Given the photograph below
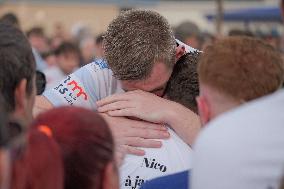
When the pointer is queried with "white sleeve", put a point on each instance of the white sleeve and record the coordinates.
(84, 87)
(187, 47)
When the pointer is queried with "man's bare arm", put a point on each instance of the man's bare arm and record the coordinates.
(149, 107)
(41, 105)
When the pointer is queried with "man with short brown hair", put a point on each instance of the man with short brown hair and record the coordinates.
(241, 146)
(236, 70)
(148, 42)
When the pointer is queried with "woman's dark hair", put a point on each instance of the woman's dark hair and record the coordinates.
(86, 144)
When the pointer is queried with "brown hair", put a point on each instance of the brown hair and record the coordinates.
(135, 40)
(183, 84)
(242, 67)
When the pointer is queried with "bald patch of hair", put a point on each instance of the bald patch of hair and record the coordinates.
(135, 41)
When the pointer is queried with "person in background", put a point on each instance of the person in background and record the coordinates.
(86, 144)
(38, 41)
(59, 35)
(10, 18)
(243, 140)
(49, 58)
(68, 59)
(238, 32)
(99, 49)
(87, 49)
(189, 33)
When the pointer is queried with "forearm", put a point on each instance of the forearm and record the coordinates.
(41, 105)
(185, 122)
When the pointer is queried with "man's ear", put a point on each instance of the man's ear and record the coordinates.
(110, 177)
(180, 50)
(203, 109)
(20, 95)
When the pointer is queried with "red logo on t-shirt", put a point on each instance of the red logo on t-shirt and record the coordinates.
(77, 87)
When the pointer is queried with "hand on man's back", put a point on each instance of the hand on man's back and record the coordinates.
(129, 135)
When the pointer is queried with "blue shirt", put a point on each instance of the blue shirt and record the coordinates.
(174, 181)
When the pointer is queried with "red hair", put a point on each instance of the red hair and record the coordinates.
(38, 165)
(86, 144)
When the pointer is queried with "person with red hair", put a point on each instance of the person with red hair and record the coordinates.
(38, 164)
(86, 144)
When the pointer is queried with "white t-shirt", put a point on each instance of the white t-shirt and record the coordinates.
(84, 87)
(242, 149)
(174, 156)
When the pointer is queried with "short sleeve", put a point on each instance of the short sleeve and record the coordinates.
(84, 87)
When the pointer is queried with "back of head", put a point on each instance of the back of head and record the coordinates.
(66, 48)
(10, 18)
(86, 144)
(186, 29)
(16, 63)
(183, 85)
(242, 68)
(35, 31)
(238, 32)
(38, 164)
(135, 40)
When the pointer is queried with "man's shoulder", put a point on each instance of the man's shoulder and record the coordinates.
(257, 113)
(236, 139)
(242, 126)
(97, 70)
(97, 65)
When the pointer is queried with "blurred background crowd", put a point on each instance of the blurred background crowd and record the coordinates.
(67, 34)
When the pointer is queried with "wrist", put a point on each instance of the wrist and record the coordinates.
(171, 113)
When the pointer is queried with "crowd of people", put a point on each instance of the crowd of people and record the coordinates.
(143, 105)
